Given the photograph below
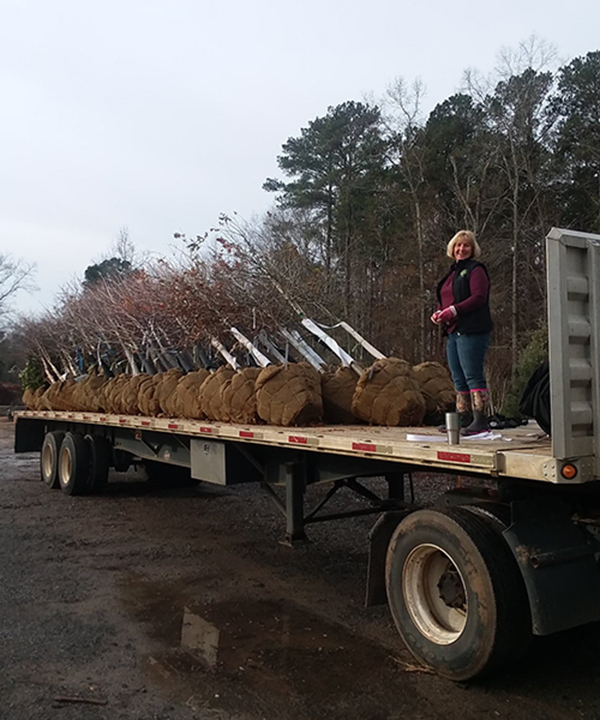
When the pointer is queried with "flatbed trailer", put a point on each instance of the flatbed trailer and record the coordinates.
(468, 581)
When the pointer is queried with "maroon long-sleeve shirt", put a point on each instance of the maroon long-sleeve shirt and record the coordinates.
(479, 286)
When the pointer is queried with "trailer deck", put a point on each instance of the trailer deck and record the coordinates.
(524, 452)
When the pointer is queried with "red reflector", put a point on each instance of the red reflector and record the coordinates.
(146, 423)
(122, 420)
(172, 426)
(246, 434)
(365, 447)
(454, 457)
(298, 439)
(205, 429)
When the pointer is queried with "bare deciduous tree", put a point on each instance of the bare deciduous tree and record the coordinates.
(15, 275)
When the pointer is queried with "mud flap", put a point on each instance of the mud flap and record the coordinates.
(558, 565)
(379, 539)
(29, 435)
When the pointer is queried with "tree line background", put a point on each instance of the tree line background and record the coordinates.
(371, 192)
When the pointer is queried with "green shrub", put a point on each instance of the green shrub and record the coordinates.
(32, 375)
(532, 355)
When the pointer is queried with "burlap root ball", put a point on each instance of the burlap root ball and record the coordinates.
(32, 398)
(289, 395)
(87, 392)
(389, 394)
(59, 396)
(338, 390)
(186, 397)
(103, 393)
(437, 388)
(166, 389)
(211, 394)
(37, 398)
(239, 396)
(128, 399)
(47, 398)
(114, 394)
(28, 398)
(147, 401)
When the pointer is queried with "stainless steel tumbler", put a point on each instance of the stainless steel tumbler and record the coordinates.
(453, 428)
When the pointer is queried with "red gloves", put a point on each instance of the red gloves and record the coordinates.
(444, 316)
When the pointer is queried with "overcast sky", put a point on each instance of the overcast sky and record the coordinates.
(157, 115)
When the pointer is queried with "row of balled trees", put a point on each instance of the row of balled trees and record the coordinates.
(389, 392)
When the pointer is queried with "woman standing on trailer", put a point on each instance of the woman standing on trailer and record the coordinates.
(464, 313)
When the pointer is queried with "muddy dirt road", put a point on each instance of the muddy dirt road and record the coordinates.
(175, 604)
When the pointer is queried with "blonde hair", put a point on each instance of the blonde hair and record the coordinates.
(465, 236)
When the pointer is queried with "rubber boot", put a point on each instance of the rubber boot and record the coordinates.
(463, 408)
(479, 403)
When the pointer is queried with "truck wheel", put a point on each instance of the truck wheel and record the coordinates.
(100, 457)
(49, 458)
(455, 593)
(498, 518)
(74, 464)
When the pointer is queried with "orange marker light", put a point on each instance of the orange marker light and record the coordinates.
(568, 471)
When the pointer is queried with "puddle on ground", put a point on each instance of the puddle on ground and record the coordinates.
(265, 659)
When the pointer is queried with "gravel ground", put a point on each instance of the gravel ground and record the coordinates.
(176, 604)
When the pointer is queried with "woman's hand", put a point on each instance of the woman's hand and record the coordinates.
(435, 318)
(446, 315)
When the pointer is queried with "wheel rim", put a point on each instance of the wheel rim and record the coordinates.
(47, 462)
(435, 594)
(65, 466)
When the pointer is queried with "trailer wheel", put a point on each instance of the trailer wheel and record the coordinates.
(99, 459)
(49, 458)
(74, 464)
(455, 593)
(498, 518)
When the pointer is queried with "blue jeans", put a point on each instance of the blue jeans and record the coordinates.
(466, 354)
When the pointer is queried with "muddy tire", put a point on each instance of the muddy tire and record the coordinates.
(498, 518)
(99, 459)
(74, 464)
(49, 459)
(455, 592)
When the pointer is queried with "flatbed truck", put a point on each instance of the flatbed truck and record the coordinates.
(469, 580)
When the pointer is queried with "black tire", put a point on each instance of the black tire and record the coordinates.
(49, 459)
(498, 518)
(74, 464)
(497, 515)
(100, 457)
(455, 593)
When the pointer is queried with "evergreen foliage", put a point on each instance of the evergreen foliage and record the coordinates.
(530, 358)
(109, 269)
(32, 375)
